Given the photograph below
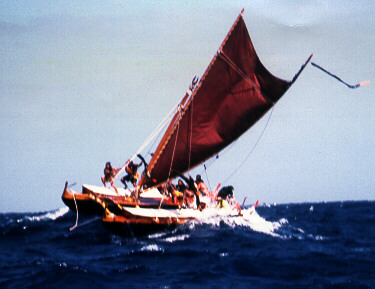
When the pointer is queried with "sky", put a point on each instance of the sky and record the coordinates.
(86, 83)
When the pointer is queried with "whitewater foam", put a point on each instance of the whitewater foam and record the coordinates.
(252, 220)
(152, 248)
(53, 215)
(176, 238)
(249, 218)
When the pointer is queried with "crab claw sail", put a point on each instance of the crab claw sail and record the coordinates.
(235, 91)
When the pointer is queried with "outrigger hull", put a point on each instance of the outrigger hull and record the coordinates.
(144, 221)
(130, 224)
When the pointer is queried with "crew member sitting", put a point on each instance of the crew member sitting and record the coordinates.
(181, 187)
(192, 190)
(187, 196)
(201, 186)
(132, 175)
(177, 195)
(203, 191)
(109, 173)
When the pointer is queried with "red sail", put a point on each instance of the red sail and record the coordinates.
(233, 94)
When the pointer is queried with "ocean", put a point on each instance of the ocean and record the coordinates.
(317, 245)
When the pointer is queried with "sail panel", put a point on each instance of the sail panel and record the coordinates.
(236, 91)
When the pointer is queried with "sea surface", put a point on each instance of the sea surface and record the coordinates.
(317, 245)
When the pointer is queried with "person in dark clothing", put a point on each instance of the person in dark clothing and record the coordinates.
(132, 175)
(191, 188)
(181, 187)
(226, 194)
(109, 173)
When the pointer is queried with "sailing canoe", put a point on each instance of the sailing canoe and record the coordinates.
(235, 91)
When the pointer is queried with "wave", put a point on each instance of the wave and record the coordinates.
(177, 238)
(14, 223)
(252, 220)
(249, 218)
(279, 227)
(152, 248)
(38, 217)
(52, 215)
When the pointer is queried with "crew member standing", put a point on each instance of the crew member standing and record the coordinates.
(109, 173)
(132, 175)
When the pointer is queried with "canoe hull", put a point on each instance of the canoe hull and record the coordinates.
(127, 224)
(92, 202)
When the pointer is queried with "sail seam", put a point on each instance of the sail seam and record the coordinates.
(242, 74)
(237, 69)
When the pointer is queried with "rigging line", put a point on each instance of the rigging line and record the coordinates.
(75, 202)
(171, 128)
(191, 131)
(170, 167)
(244, 76)
(239, 71)
(174, 148)
(156, 131)
(154, 142)
(156, 138)
(253, 148)
(210, 161)
(89, 222)
(205, 170)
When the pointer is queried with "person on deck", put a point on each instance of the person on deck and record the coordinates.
(109, 173)
(181, 187)
(132, 175)
(174, 193)
(190, 191)
(205, 195)
(225, 197)
(201, 186)
(187, 196)
(192, 188)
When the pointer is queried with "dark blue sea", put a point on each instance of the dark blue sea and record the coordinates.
(318, 245)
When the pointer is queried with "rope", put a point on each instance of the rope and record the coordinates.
(154, 134)
(75, 226)
(89, 221)
(191, 131)
(205, 171)
(174, 148)
(170, 168)
(240, 72)
(253, 148)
